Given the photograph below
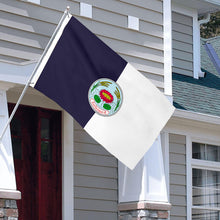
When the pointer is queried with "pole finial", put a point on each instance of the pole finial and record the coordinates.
(68, 10)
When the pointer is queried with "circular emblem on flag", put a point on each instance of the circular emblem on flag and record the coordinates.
(105, 97)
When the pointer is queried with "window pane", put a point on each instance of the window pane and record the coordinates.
(199, 214)
(206, 190)
(199, 185)
(198, 151)
(46, 151)
(17, 149)
(213, 152)
(199, 177)
(206, 152)
(45, 128)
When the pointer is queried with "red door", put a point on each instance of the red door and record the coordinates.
(36, 142)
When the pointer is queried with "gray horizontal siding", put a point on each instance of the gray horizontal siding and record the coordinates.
(27, 28)
(95, 175)
(143, 10)
(85, 214)
(95, 205)
(182, 33)
(177, 157)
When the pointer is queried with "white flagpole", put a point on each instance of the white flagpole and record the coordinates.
(66, 13)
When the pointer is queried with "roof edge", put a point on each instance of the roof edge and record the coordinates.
(216, 2)
(195, 116)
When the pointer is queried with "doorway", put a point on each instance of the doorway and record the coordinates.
(36, 143)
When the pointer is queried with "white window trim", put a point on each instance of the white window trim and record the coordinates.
(194, 163)
(189, 176)
(196, 36)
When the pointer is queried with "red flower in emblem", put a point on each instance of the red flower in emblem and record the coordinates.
(106, 96)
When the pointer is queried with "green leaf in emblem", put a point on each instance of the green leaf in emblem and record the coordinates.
(107, 106)
(96, 85)
(97, 98)
(118, 103)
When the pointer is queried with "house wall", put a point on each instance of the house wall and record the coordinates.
(26, 29)
(177, 155)
(95, 175)
(182, 33)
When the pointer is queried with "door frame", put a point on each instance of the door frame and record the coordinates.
(35, 99)
(67, 166)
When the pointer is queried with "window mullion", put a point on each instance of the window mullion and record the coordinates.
(203, 164)
(206, 208)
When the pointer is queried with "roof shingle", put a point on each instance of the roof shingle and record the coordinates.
(199, 95)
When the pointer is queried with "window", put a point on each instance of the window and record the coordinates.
(205, 181)
(46, 140)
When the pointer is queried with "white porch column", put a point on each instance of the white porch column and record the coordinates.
(8, 189)
(144, 188)
(7, 172)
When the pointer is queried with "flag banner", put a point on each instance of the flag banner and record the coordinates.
(119, 107)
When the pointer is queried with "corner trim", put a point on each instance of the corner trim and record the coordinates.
(167, 25)
(10, 194)
(196, 46)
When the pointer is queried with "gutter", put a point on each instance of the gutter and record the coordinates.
(195, 116)
(215, 2)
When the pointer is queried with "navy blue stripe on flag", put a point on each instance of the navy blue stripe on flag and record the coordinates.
(78, 59)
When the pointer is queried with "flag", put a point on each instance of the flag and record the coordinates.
(119, 107)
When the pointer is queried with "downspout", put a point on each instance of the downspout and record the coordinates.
(205, 20)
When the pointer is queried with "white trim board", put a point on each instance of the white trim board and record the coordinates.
(216, 2)
(16, 73)
(196, 47)
(167, 24)
(67, 167)
(196, 116)
(189, 176)
(165, 148)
